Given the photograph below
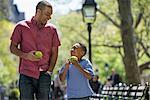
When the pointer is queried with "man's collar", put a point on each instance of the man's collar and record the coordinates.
(36, 23)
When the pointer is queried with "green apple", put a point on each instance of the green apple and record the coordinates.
(73, 58)
(38, 54)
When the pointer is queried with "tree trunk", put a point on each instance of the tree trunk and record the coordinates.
(127, 34)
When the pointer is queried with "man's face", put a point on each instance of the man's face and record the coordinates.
(45, 15)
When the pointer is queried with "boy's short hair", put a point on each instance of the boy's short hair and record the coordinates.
(83, 48)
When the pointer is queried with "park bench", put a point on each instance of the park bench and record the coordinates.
(128, 92)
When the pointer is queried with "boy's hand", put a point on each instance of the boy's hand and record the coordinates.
(67, 63)
(73, 58)
(75, 63)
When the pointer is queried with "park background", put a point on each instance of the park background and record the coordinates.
(128, 54)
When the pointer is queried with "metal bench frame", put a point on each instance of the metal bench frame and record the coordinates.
(129, 92)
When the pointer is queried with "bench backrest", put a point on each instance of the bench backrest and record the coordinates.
(131, 92)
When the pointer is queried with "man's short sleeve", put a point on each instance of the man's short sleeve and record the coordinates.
(16, 35)
(56, 40)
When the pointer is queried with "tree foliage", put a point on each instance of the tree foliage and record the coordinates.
(4, 9)
(7, 65)
(107, 44)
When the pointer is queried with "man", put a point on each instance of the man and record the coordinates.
(115, 77)
(95, 84)
(29, 37)
(78, 73)
(59, 87)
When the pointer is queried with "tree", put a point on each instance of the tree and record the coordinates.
(106, 35)
(134, 40)
(8, 69)
(4, 9)
(127, 34)
(142, 31)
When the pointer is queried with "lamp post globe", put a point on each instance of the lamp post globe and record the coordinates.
(89, 11)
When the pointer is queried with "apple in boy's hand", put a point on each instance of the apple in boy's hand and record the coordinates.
(73, 58)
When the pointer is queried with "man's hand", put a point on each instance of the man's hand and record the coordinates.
(49, 73)
(31, 56)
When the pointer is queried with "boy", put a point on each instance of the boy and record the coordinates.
(78, 73)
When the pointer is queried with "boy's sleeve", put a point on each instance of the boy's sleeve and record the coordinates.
(62, 69)
(89, 68)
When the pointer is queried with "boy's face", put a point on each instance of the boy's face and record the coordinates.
(76, 50)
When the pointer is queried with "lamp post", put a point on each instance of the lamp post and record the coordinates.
(106, 68)
(89, 16)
